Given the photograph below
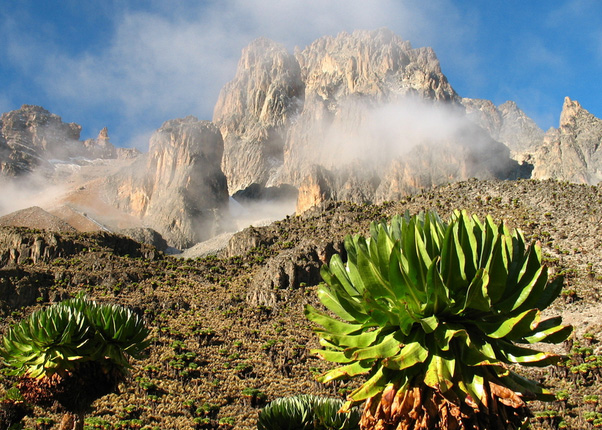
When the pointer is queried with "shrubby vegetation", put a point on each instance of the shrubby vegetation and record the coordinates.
(204, 304)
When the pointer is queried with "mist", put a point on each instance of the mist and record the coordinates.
(378, 133)
(31, 190)
(164, 61)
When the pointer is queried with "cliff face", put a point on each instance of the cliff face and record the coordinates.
(342, 115)
(254, 112)
(347, 78)
(180, 190)
(365, 117)
(282, 113)
(506, 123)
(31, 138)
(572, 151)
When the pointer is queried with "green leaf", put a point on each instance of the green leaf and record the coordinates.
(512, 328)
(526, 356)
(329, 323)
(549, 331)
(388, 347)
(401, 284)
(549, 294)
(337, 270)
(340, 305)
(452, 260)
(476, 295)
(358, 368)
(439, 374)
(497, 264)
(410, 355)
(429, 324)
(359, 340)
(371, 387)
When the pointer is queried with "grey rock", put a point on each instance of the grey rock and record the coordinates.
(254, 112)
(506, 123)
(572, 151)
(290, 269)
(178, 189)
(31, 138)
(145, 235)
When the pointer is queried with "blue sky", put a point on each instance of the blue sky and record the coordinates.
(131, 65)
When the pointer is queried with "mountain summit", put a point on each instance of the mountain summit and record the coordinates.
(361, 117)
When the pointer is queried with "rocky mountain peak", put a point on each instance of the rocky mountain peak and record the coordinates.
(254, 110)
(571, 109)
(30, 136)
(280, 109)
(180, 190)
(571, 152)
(103, 135)
(377, 63)
(101, 147)
(506, 123)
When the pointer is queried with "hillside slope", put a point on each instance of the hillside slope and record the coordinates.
(223, 324)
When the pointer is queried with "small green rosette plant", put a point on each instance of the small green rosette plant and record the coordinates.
(73, 352)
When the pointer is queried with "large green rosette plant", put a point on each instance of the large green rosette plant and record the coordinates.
(436, 315)
(73, 352)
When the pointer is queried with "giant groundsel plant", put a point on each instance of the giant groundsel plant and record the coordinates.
(435, 315)
(73, 352)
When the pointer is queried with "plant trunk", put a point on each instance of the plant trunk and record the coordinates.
(424, 408)
(72, 421)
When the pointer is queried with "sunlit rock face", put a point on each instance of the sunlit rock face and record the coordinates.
(254, 112)
(354, 84)
(351, 108)
(572, 151)
(506, 123)
(181, 191)
(30, 136)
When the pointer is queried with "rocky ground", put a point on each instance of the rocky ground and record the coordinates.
(229, 333)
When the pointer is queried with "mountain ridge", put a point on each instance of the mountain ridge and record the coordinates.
(361, 116)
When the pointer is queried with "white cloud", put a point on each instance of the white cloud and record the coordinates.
(172, 59)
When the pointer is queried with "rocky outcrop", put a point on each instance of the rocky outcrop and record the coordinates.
(254, 112)
(18, 246)
(341, 118)
(31, 138)
(354, 82)
(179, 189)
(506, 123)
(23, 246)
(572, 151)
(26, 246)
(244, 241)
(288, 270)
(145, 235)
(100, 147)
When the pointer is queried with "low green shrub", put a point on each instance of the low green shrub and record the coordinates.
(307, 412)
